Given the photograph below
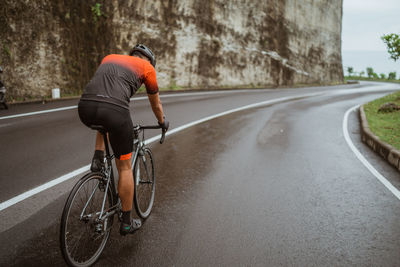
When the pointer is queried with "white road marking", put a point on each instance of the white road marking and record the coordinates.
(379, 176)
(37, 112)
(133, 99)
(36, 190)
(43, 187)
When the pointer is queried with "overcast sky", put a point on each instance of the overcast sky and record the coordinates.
(365, 21)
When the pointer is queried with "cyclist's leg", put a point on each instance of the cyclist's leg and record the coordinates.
(121, 139)
(88, 113)
(98, 157)
(125, 183)
(125, 191)
(99, 142)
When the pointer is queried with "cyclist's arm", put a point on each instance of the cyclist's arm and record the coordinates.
(152, 92)
(156, 106)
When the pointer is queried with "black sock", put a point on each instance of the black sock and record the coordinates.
(126, 217)
(98, 154)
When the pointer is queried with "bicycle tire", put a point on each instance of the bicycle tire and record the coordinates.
(145, 183)
(84, 252)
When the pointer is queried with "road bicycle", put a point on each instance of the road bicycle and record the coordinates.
(89, 211)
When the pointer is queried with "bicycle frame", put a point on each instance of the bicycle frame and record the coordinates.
(138, 144)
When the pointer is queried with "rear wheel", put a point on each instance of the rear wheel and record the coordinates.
(145, 184)
(83, 235)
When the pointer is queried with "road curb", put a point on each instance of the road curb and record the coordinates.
(386, 151)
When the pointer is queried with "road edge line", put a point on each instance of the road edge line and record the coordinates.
(12, 201)
(132, 99)
(363, 160)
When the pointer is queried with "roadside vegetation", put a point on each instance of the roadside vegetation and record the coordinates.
(370, 75)
(383, 117)
(383, 114)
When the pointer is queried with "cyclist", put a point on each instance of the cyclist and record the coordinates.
(105, 102)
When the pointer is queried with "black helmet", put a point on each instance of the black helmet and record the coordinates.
(145, 51)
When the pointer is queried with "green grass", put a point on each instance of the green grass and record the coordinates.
(385, 125)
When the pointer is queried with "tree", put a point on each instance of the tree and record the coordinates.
(392, 75)
(370, 72)
(350, 70)
(382, 76)
(392, 42)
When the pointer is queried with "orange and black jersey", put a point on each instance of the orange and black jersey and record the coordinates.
(118, 78)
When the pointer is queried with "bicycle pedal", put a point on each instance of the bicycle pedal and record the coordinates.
(99, 228)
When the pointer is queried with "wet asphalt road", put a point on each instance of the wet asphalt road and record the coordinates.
(274, 185)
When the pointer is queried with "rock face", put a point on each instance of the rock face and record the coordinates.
(198, 43)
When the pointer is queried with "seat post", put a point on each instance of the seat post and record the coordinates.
(104, 134)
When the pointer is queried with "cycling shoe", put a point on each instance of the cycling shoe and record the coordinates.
(130, 228)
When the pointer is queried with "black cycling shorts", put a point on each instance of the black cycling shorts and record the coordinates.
(117, 122)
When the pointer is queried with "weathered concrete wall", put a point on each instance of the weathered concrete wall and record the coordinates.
(198, 43)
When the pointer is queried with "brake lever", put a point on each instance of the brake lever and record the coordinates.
(162, 136)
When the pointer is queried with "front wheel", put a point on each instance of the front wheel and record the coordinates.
(145, 182)
(83, 235)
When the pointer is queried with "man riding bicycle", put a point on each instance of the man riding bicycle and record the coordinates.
(105, 102)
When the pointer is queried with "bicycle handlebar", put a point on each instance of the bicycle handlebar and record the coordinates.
(163, 131)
